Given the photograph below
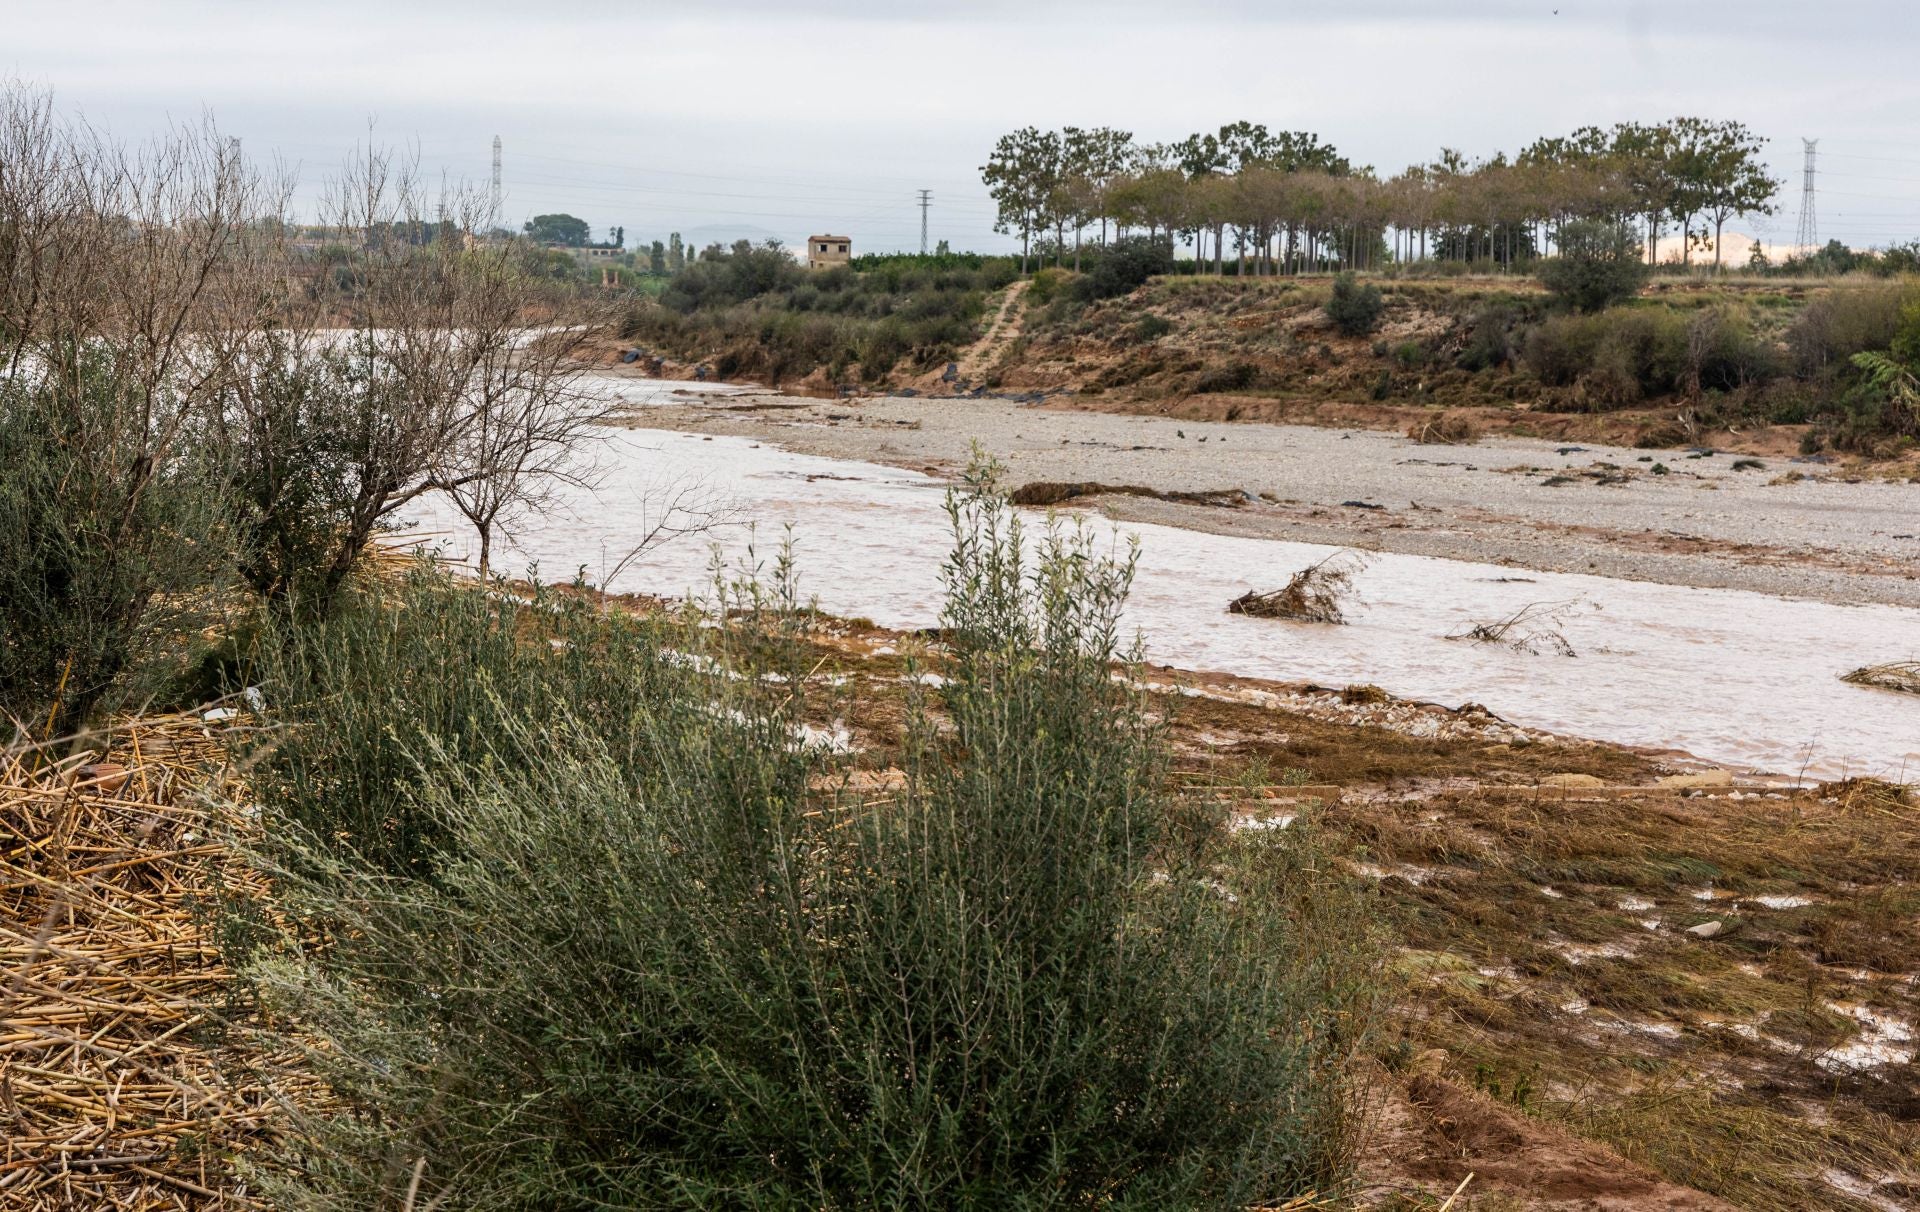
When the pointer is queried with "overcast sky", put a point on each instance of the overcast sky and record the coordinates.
(791, 117)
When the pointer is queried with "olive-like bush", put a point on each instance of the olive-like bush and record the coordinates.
(663, 960)
(1598, 265)
(1354, 308)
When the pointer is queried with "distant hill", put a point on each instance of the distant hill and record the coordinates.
(1736, 248)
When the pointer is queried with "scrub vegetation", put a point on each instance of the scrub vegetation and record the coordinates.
(752, 312)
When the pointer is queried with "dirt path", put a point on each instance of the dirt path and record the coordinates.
(1005, 328)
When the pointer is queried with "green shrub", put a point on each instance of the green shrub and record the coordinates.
(1620, 356)
(1905, 345)
(1598, 264)
(110, 537)
(1489, 342)
(1844, 322)
(1046, 286)
(1123, 267)
(1151, 327)
(419, 668)
(1883, 407)
(667, 965)
(1724, 354)
(1353, 308)
(1234, 376)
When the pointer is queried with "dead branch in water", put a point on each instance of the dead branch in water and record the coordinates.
(1533, 628)
(1903, 676)
(1312, 595)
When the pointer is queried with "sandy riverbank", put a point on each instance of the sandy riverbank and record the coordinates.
(1786, 528)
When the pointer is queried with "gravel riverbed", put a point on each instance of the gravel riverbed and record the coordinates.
(1795, 529)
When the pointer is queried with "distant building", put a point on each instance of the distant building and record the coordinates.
(825, 252)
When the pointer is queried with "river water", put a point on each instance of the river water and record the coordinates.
(1743, 679)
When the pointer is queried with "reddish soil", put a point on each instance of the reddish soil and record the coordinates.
(1429, 1134)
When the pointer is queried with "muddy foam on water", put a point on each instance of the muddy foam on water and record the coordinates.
(1739, 678)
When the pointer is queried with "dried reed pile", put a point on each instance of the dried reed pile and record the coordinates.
(120, 1085)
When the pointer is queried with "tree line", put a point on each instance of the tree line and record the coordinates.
(1289, 202)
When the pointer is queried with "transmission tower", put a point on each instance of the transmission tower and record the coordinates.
(495, 200)
(926, 200)
(1808, 237)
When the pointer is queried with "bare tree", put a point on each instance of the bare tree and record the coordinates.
(521, 441)
(403, 368)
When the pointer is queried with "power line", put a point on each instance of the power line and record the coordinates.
(1808, 237)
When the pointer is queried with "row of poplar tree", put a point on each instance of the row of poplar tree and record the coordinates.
(1284, 202)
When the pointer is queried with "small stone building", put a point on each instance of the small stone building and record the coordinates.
(825, 252)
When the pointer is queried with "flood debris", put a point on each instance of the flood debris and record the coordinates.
(1534, 628)
(1055, 492)
(1903, 676)
(1447, 429)
(1867, 792)
(1313, 595)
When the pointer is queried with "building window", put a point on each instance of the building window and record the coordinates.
(843, 248)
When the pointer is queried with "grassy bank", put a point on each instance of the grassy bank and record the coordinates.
(1688, 361)
(1771, 363)
(1537, 898)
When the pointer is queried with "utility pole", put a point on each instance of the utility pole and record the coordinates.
(926, 200)
(1809, 234)
(495, 200)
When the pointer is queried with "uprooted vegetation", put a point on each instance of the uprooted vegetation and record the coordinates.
(1317, 593)
(1901, 676)
(1041, 493)
(1534, 628)
(1447, 429)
